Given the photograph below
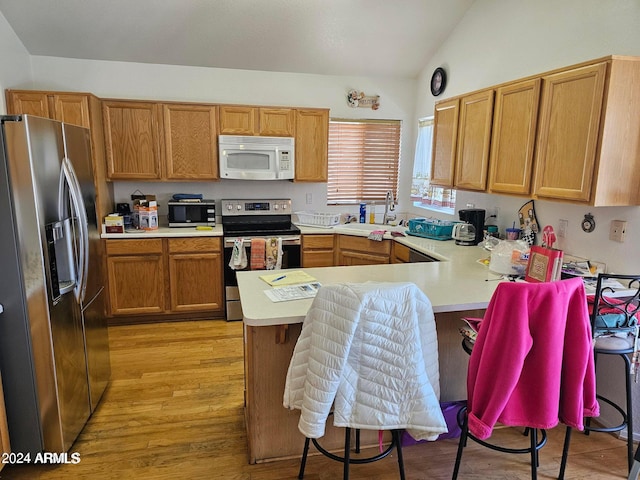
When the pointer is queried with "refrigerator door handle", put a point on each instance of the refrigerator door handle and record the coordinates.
(81, 214)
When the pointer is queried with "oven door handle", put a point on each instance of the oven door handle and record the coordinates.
(246, 242)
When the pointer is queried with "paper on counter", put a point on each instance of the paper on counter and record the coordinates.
(297, 292)
(287, 277)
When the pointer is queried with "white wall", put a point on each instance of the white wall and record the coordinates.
(162, 82)
(16, 63)
(502, 40)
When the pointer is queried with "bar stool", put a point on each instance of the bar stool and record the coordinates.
(523, 341)
(614, 326)
(367, 355)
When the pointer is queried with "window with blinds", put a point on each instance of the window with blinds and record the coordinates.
(364, 159)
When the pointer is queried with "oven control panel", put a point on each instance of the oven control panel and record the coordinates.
(256, 207)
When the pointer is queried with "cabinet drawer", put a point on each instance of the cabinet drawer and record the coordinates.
(194, 244)
(364, 244)
(310, 242)
(132, 247)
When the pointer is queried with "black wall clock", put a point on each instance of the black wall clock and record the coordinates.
(438, 81)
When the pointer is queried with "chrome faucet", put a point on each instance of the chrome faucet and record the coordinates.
(389, 209)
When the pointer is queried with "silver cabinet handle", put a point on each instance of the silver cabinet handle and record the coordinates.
(1, 308)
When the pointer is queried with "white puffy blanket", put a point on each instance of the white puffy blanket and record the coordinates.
(371, 350)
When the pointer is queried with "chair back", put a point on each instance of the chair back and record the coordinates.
(611, 312)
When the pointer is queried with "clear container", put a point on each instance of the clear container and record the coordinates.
(372, 213)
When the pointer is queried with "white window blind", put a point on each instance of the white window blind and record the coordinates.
(364, 159)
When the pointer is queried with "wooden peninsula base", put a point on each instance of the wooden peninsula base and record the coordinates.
(272, 430)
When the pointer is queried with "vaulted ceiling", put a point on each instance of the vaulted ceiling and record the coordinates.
(333, 37)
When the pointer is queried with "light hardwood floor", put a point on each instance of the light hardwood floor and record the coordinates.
(174, 410)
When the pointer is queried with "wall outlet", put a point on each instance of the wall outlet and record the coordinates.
(309, 199)
(562, 228)
(618, 230)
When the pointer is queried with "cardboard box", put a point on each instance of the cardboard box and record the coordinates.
(145, 213)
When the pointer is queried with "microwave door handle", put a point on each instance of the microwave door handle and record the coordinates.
(81, 216)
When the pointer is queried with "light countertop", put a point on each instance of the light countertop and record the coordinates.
(166, 232)
(457, 283)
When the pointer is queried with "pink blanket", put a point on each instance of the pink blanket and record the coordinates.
(532, 363)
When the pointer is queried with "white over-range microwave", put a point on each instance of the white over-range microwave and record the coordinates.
(256, 158)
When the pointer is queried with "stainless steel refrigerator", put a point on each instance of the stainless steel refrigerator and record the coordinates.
(54, 349)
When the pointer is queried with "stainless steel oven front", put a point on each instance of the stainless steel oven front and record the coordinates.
(290, 259)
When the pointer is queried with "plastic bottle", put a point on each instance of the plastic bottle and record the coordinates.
(363, 212)
(372, 213)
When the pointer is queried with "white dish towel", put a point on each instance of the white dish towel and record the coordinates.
(239, 255)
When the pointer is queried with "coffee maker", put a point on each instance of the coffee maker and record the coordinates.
(474, 216)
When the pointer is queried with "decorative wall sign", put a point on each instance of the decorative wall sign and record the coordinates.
(359, 99)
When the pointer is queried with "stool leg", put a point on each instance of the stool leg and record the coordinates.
(347, 452)
(630, 451)
(461, 444)
(303, 463)
(357, 440)
(534, 453)
(565, 453)
(397, 438)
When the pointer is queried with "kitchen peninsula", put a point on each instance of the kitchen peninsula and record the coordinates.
(458, 285)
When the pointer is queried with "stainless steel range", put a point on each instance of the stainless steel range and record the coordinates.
(255, 218)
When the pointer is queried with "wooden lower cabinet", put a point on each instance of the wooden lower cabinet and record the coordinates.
(352, 250)
(195, 274)
(135, 271)
(165, 276)
(399, 253)
(317, 250)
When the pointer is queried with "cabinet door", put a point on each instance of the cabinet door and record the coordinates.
(195, 274)
(190, 142)
(236, 120)
(28, 103)
(568, 132)
(312, 145)
(474, 137)
(72, 108)
(132, 140)
(399, 253)
(277, 122)
(445, 136)
(513, 137)
(136, 284)
(350, 257)
(195, 281)
(353, 250)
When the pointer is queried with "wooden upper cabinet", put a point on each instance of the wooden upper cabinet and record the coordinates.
(312, 145)
(70, 108)
(474, 140)
(445, 136)
(190, 142)
(276, 122)
(515, 118)
(237, 120)
(28, 103)
(132, 139)
(588, 148)
(568, 136)
(265, 121)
